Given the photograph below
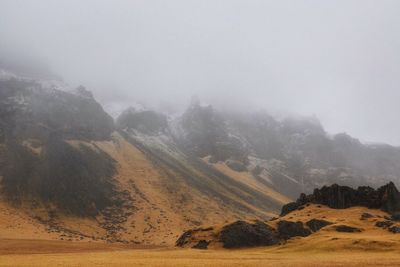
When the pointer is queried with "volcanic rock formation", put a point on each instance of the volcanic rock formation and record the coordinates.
(386, 198)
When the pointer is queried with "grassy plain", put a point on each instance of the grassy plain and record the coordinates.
(64, 254)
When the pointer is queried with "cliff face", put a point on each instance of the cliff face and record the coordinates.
(38, 164)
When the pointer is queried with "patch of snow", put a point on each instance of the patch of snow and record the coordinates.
(161, 142)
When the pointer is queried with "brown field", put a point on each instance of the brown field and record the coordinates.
(59, 253)
(372, 247)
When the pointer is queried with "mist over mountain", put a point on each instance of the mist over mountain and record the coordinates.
(139, 132)
(290, 148)
(338, 61)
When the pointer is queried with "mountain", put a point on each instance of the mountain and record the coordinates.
(69, 171)
(291, 155)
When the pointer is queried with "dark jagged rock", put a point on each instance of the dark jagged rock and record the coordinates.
(76, 180)
(389, 199)
(148, 122)
(184, 239)
(37, 161)
(395, 216)
(386, 198)
(347, 229)
(288, 208)
(366, 216)
(202, 244)
(242, 234)
(292, 206)
(38, 113)
(384, 224)
(289, 229)
(394, 229)
(335, 196)
(316, 225)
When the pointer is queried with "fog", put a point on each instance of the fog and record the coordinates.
(337, 60)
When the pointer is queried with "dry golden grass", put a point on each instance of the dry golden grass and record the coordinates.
(165, 208)
(248, 179)
(15, 223)
(372, 247)
(164, 205)
(327, 239)
(187, 257)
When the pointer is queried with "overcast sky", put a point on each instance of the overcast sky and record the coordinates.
(339, 60)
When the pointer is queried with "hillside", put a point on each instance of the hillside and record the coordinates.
(355, 236)
(312, 226)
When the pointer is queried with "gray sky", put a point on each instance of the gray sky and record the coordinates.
(339, 60)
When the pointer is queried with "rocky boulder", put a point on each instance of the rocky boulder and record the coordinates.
(184, 239)
(366, 216)
(316, 225)
(289, 229)
(388, 199)
(384, 224)
(202, 244)
(243, 234)
(394, 229)
(347, 229)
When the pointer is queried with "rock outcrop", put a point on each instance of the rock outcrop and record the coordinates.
(289, 229)
(38, 160)
(309, 216)
(385, 198)
(384, 224)
(394, 229)
(316, 225)
(184, 238)
(242, 234)
(202, 244)
(239, 234)
(366, 216)
(347, 229)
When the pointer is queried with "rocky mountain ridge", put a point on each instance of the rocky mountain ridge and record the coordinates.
(291, 155)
